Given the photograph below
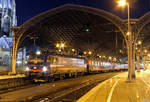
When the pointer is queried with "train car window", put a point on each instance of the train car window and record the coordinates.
(54, 60)
(31, 57)
(49, 59)
(40, 56)
(34, 56)
(29, 62)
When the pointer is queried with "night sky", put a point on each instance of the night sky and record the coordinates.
(29, 8)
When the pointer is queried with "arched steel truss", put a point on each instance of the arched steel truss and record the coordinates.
(118, 22)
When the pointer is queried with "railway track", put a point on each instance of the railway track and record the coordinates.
(58, 91)
(71, 94)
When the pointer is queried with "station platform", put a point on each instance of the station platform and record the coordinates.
(11, 76)
(119, 89)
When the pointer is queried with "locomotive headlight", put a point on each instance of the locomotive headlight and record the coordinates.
(27, 68)
(44, 69)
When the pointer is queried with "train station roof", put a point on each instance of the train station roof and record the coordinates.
(79, 27)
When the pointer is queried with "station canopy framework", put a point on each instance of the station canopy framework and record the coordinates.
(144, 37)
(79, 27)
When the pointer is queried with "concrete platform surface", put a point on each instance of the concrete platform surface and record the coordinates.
(11, 76)
(119, 89)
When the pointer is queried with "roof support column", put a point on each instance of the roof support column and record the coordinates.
(131, 51)
(138, 63)
(144, 62)
(131, 60)
(14, 50)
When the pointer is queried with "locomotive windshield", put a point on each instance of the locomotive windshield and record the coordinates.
(34, 56)
(36, 59)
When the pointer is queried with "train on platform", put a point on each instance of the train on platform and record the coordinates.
(50, 66)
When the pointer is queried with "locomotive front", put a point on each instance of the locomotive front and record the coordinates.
(36, 68)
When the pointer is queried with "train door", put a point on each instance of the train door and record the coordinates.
(88, 66)
(49, 63)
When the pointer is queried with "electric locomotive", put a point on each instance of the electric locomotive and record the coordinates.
(48, 66)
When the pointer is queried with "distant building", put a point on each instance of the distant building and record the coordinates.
(8, 17)
(5, 42)
(5, 50)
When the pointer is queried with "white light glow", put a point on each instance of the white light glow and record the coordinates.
(18, 62)
(90, 52)
(57, 45)
(139, 42)
(73, 50)
(27, 68)
(44, 69)
(122, 3)
(128, 33)
(38, 52)
(62, 45)
(147, 70)
(85, 53)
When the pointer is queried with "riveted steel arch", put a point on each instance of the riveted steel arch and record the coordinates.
(143, 21)
(115, 20)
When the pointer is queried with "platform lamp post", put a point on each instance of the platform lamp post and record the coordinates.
(60, 46)
(138, 54)
(131, 70)
(34, 39)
